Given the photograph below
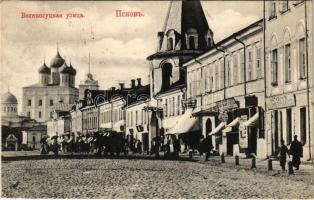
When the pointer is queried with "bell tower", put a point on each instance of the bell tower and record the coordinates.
(185, 35)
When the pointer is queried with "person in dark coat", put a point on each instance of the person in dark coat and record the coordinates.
(296, 150)
(283, 155)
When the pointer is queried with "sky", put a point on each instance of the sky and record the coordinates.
(118, 45)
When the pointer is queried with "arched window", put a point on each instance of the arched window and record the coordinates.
(192, 38)
(170, 44)
(192, 42)
(166, 75)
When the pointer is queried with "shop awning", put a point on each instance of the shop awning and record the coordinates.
(234, 123)
(252, 121)
(185, 124)
(218, 128)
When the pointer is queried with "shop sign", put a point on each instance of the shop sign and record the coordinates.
(243, 134)
(283, 101)
(227, 104)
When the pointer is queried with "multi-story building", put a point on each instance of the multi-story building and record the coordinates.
(289, 74)
(227, 84)
(137, 120)
(185, 35)
(55, 82)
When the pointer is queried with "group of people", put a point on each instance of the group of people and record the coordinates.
(296, 151)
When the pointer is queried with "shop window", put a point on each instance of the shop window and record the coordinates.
(302, 64)
(303, 125)
(274, 68)
(289, 126)
(288, 63)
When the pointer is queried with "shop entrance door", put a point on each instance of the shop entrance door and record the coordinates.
(232, 138)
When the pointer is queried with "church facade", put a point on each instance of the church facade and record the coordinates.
(56, 82)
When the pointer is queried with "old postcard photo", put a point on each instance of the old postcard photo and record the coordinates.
(173, 99)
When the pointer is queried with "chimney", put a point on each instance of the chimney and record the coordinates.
(160, 36)
(133, 83)
(113, 88)
(139, 82)
(121, 86)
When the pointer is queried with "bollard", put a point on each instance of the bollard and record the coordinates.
(190, 155)
(270, 164)
(206, 156)
(253, 163)
(290, 168)
(223, 158)
(237, 160)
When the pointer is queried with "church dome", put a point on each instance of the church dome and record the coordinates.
(57, 61)
(44, 69)
(8, 97)
(72, 70)
(65, 69)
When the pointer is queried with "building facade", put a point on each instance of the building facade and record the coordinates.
(289, 74)
(227, 85)
(55, 82)
(185, 35)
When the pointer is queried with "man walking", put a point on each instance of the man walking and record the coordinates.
(296, 150)
(283, 155)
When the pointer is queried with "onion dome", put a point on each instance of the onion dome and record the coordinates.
(73, 71)
(57, 61)
(44, 69)
(65, 69)
(8, 97)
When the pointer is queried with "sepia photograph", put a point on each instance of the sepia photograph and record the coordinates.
(168, 99)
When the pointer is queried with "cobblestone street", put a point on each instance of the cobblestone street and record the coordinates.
(144, 178)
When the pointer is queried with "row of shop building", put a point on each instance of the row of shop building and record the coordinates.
(246, 92)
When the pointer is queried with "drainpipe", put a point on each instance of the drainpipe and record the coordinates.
(265, 77)
(244, 53)
(307, 80)
(224, 74)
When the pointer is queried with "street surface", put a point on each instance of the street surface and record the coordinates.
(147, 178)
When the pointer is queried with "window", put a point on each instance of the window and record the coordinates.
(192, 42)
(166, 108)
(179, 103)
(136, 118)
(34, 138)
(303, 125)
(29, 102)
(235, 69)
(170, 44)
(250, 67)
(216, 76)
(302, 64)
(272, 10)
(131, 118)
(284, 6)
(173, 106)
(274, 68)
(51, 102)
(40, 102)
(166, 76)
(289, 126)
(28, 114)
(228, 73)
(39, 114)
(222, 79)
(288, 62)
(259, 73)
(242, 66)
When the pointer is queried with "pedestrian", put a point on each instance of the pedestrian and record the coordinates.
(283, 152)
(296, 150)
